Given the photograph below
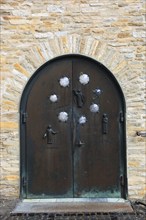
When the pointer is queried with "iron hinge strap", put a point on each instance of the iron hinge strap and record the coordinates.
(121, 117)
(122, 180)
(24, 117)
(24, 182)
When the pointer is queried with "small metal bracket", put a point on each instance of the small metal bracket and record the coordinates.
(141, 133)
(24, 117)
(24, 182)
(122, 180)
(121, 117)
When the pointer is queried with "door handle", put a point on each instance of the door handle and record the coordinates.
(104, 124)
(80, 143)
(79, 98)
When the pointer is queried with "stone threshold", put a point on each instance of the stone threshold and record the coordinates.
(72, 206)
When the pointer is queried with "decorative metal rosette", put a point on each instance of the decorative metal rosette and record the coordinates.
(94, 108)
(82, 120)
(64, 81)
(84, 79)
(63, 116)
(53, 98)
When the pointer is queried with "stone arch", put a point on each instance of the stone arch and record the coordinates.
(41, 52)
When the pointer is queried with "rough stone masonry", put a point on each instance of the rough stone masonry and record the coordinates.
(113, 32)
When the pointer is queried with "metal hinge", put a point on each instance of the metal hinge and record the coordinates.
(24, 117)
(122, 180)
(121, 117)
(24, 182)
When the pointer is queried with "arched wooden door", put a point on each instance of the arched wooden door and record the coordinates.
(73, 132)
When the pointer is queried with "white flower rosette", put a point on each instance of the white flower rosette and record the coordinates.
(53, 98)
(63, 116)
(64, 81)
(82, 120)
(84, 79)
(94, 108)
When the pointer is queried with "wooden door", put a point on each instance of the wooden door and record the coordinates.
(74, 132)
(98, 143)
(49, 141)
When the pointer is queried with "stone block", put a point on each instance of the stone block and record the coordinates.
(9, 125)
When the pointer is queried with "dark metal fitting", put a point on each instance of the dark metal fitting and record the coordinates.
(141, 133)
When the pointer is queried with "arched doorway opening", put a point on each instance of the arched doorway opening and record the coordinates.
(72, 132)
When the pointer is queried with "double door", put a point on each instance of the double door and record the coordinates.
(73, 132)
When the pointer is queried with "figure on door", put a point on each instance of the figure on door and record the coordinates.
(80, 99)
(48, 134)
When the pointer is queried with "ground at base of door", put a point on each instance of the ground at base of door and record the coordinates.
(7, 207)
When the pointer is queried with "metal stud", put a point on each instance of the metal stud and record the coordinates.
(94, 108)
(97, 91)
(53, 98)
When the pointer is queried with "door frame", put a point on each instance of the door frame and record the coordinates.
(23, 119)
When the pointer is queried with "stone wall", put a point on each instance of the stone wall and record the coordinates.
(111, 32)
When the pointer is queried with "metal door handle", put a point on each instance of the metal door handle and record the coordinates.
(80, 143)
(79, 98)
(104, 124)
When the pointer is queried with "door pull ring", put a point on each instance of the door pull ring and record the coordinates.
(48, 134)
